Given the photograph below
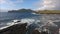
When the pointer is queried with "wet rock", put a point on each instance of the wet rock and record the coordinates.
(35, 32)
(31, 27)
(15, 29)
(43, 32)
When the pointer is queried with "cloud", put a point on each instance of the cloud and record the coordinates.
(2, 1)
(10, 3)
(49, 4)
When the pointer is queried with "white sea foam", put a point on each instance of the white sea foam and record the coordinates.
(30, 21)
(42, 22)
(35, 14)
(3, 27)
(26, 20)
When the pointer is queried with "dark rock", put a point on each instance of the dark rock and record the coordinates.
(15, 29)
(31, 27)
(35, 32)
(43, 32)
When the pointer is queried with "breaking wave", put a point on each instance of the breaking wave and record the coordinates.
(36, 22)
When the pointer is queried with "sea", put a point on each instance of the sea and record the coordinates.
(6, 17)
(30, 17)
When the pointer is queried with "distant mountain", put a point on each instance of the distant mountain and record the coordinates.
(20, 11)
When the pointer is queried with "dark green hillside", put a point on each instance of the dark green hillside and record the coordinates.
(21, 10)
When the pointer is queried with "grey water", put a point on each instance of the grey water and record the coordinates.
(6, 17)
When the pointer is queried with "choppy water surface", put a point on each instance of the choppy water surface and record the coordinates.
(37, 19)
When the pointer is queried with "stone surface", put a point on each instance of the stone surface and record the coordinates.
(15, 29)
(35, 32)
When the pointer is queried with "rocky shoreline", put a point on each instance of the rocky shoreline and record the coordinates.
(19, 29)
(22, 29)
(15, 29)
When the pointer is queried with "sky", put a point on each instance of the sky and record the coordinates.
(30, 4)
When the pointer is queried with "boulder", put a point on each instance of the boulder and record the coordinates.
(35, 32)
(15, 29)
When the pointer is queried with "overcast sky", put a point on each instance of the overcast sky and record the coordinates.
(30, 4)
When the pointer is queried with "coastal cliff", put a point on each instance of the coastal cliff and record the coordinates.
(48, 12)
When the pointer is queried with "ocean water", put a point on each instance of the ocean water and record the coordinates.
(6, 17)
(34, 20)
